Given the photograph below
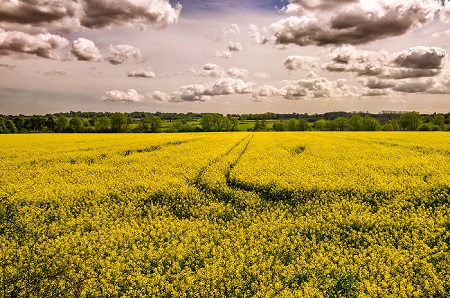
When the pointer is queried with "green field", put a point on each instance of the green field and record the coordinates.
(295, 214)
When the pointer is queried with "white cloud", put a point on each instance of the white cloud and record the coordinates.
(265, 91)
(256, 35)
(350, 59)
(301, 62)
(42, 45)
(215, 71)
(204, 92)
(123, 53)
(317, 88)
(209, 70)
(85, 50)
(142, 73)
(376, 92)
(130, 95)
(235, 46)
(236, 72)
(224, 54)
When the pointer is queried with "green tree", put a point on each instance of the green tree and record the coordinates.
(76, 124)
(3, 128)
(207, 122)
(103, 124)
(320, 124)
(439, 120)
(234, 123)
(391, 125)
(217, 122)
(370, 124)
(257, 126)
(155, 124)
(10, 126)
(118, 122)
(341, 123)
(50, 123)
(279, 126)
(226, 123)
(292, 124)
(410, 121)
(356, 122)
(302, 125)
(61, 123)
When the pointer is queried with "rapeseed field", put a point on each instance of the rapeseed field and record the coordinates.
(298, 214)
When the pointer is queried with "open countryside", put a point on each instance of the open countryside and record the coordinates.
(243, 214)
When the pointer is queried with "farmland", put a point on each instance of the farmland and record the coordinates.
(294, 214)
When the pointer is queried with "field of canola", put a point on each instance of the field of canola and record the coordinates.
(305, 214)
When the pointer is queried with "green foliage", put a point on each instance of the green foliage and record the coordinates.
(410, 121)
(118, 122)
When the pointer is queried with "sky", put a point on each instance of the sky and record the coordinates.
(230, 56)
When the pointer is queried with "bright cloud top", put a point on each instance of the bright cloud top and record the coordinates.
(204, 92)
(85, 50)
(130, 95)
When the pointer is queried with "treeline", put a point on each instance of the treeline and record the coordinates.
(411, 121)
(142, 122)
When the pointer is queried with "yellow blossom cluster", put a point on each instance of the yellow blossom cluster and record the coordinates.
(298, 214)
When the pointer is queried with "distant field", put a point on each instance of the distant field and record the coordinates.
(307, 214)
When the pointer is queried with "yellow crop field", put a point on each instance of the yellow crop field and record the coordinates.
(298, 214)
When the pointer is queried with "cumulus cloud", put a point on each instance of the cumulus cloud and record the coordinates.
(413, 63)
(317, 88)
(375, 83)
(367, 92)
(85, 50)
(40, 15)
(325, 22)
(229, 32)
(414, 86)
(445, 13)
(209, 70)
(204, 92)
(235, 46)
(350, 59)
(130, 95)
(256, 35)
(123, 53)
(236, 72)
(68, 16)
(105, 13)
(422, 58)
(142, 73)
(215, 71)
(224, 54)
(301, 62)
(265, 91)
(43, 45)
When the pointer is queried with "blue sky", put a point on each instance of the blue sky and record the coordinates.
(224, 56)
